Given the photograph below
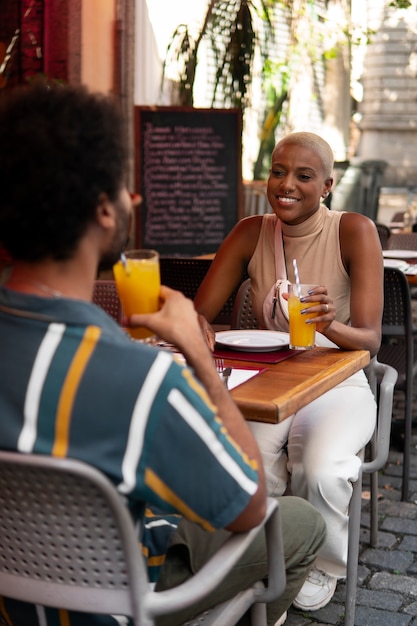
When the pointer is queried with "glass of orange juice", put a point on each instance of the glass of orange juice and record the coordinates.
(302, 335)
(138, 283)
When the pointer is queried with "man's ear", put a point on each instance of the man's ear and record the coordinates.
(105, 212)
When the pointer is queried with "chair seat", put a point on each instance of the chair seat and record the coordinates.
(186, 274)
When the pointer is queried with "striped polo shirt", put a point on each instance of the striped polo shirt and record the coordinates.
(73, 384)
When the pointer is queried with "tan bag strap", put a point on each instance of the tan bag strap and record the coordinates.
(280, 267)
(275, 308)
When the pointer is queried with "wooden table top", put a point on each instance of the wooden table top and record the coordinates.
(412, 279)
(284, 387)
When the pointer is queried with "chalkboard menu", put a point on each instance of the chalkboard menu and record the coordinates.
(188, 172)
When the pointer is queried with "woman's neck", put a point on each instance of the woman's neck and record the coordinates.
(311, 225)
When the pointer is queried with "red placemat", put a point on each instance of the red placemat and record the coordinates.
(257, 357)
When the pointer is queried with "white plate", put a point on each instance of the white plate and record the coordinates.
(397, 263)
(252, 340)
(399, 254)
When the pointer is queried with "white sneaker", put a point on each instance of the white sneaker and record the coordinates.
(317, 591)
(281, 620)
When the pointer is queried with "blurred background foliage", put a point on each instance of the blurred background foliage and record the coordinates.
(238, 36)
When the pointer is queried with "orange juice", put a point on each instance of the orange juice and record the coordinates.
(302, 335)
(138, 285)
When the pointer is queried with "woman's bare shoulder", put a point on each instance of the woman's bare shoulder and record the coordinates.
(240, 243)
(357, 223)
(246, 232)
(359, 237)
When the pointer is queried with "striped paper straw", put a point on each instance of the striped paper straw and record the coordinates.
(124, 263)
(297, 277)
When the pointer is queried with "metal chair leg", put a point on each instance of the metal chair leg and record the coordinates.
(374, 510)
(353, 552)
(408, 418)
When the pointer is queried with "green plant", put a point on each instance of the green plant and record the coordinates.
(276, 80)
(235, 33)
(400, 4)
(230, 31)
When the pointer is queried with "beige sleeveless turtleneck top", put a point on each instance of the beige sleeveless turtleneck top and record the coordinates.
(315, 245)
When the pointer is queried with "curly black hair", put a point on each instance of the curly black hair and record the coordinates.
(60, 148)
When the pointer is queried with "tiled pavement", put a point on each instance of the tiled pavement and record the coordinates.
(387, 581)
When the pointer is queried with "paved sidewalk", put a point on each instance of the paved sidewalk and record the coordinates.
(387, 580)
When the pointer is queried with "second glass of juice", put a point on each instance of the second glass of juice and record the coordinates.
(138, 284)
(302, 335)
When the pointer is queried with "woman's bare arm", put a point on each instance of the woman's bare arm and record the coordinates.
(362, 257)
(228, 267)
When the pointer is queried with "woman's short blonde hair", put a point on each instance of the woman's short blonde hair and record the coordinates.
(314, 143)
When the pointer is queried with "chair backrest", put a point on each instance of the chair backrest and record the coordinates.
(382, 378)
(398, 217)
(186, 274)
(78, 541)
(403, 241)
(183, 273)
(397, 349)
(242, 314)
(105, 296)
(68, 541)
(384, 233)
(397, 314)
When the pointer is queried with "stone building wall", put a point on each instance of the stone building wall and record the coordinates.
(389, 108)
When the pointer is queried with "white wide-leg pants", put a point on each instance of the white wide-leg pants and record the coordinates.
(323, 440)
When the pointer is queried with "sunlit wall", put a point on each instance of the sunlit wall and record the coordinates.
(156, 21)
(97, 44)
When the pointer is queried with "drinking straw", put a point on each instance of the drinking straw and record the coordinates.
(297, 277)
(124, 263)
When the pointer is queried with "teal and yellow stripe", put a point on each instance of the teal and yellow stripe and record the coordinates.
(164, 492)
(52, 388)
(70, 388)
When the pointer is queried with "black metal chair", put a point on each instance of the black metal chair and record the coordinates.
(105, 295)
(398, 217)
(403, 241)
(185, 274)
(384, 233)
(243, 315)
(397, 349)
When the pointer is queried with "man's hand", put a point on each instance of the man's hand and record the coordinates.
(176, 321)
